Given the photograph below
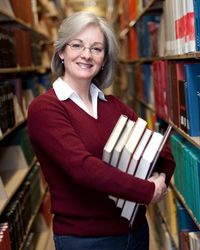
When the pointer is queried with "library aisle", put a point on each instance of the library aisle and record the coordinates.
(157, 75)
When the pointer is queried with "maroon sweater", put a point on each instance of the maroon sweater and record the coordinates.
(69, 145)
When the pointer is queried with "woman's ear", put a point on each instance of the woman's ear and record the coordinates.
(61, 55)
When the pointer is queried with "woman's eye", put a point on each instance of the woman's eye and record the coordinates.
(76, 46)
(96, 49)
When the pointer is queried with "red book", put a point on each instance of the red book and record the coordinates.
(133, 49)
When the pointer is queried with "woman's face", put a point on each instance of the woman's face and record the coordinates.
(84, 55)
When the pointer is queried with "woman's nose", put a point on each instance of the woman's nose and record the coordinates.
(86, 53)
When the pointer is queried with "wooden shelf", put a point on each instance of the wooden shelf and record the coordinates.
(194, 140)
(12, 175)
(33, 217)
(175, 242)
(10, 130)
(20, 69)
(152, 5)
(192, 55)
(150, 107)
(8, 20)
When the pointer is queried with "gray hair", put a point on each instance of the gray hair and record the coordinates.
(72, 26)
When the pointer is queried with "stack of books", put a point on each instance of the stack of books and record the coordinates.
(134, 149)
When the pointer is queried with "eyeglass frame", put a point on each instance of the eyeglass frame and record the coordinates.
(84, 47)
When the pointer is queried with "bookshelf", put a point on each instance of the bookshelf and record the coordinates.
(159, 23)
(27, 34)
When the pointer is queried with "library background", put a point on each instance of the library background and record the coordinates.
(158, 75)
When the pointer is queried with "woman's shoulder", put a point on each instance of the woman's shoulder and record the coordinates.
(44, 98)
(43, 102)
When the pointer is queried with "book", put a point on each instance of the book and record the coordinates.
(147, 162)
(197, 23)
(117, 151)
(192, 93)
(130, 147)
(194, 240)
(113, 138)
(127, 206)
(121, 143)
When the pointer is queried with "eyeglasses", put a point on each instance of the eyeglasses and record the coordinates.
(79, 47)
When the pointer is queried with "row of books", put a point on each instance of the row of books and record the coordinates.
(35, 14)
(7, 118)
(130, 10)
(188, 231)
(15, 96)
(172, 89)
(4, 236)
(22, 207)
(11, 42)
(172, 31)
(174, 225)
(187, 172)
(182, 20)
(134, 149)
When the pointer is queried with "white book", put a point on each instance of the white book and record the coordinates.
(138, 152)
(114, 137)
(190, 30)
(130, 147)
(148, 161)
(142, 169)
(121, 143)
(194, 240)
(119, 147)
(127, 208)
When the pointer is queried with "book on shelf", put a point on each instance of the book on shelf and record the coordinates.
(21, 208)
(7, 48)
(192, 93)
(4, 236)
(194, 240)
(187, 158)
(197, 23)
(185, 225)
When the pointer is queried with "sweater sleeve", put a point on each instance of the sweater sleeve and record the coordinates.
(166, 163)
(56, 143)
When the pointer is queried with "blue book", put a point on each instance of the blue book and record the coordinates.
(185, 222)
(146, 70)
(197, 23)
(192, 93)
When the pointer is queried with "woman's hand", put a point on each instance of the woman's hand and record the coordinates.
(160, 186)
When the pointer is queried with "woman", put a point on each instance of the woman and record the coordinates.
(69, 126)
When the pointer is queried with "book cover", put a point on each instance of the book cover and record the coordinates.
(148, 160)
(192, 92)
(197, 23)
(114, 137)
(121, 143)
(130, 147)
(127, 206)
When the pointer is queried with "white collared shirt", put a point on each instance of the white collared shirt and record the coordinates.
(64, 91)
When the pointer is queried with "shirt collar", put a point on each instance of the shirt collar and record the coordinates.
(64, 91)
